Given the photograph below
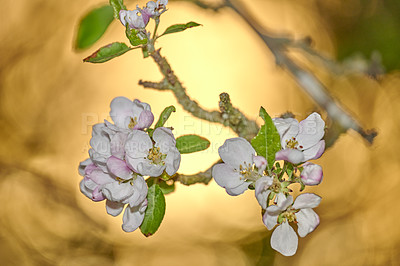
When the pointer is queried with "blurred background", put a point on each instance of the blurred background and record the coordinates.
(50, 99)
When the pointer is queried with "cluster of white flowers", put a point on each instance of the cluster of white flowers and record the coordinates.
(242, 169)
(121, 155)
(139, 17)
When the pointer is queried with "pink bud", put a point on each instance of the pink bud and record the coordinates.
(311, 174)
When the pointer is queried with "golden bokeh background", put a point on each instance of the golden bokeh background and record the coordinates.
(50, 99)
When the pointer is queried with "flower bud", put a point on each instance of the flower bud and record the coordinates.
(311, 174)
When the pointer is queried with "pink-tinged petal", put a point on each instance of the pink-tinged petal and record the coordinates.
(312, 129)
(238, 190)
(97, 195)
(119, 168)
(146, 118)
(172, 161)
(306, 200)
(261, 190)
(83, 165)
(117, 144)
(260, 162)
(164, 139)
(307, 221)
(133, 217)
(117, 191)
(311, 174)
(90, 185)
(236, 152)
(99, 177)
(141, 105)
(225, 176)
(320, 151)
(138, 144)
(290, 155)
(114, 208)
(284, 240)
(270, 220)
(85, 191)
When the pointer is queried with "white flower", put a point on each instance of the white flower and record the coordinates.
(238, 171)
(151, 160)
(128, 115)
(100, 145)
(311, 174)
(300, 141)
(134, 18)
(284, 239)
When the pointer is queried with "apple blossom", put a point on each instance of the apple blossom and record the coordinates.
(240, 168)
(128, 115)
(284, 239)
(151, 160)
(300, 141)
(134, 18)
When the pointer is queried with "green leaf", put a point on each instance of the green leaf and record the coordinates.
(133, 36)
(155, 211)
(267, 142)
(108, 52)
(191, 143)
(164, 116)
(165, 188)
(117, 5)
(93, 26)
(179, 27)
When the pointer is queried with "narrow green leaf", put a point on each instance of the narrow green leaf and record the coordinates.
(179, 27)
(93, 26)
(155, 211)
(108, 52)
(191, 143)
(164, 116)
(267, 142)
(117, 5)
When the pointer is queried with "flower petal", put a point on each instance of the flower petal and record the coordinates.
(261, 190)
(260, 162)
(284, 240)
(117, 145)
(85, 191)
(99, 177)
(114, 208)
(122, 109)
(315, 151)
(306, 200)
(82, 166)
(312, 129)
(140, 192)
(138, 144)
(133, 217)
(236, 152)
(172, 161)
(290, 133)
(290, 155)
(270, 220)
(307, 221)
(117, 191)
(311, 174)
(283, 125)
(164, 139)
(146, 118)
(238, 190)
(226, 176)
(119, 168)
(97, 195)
